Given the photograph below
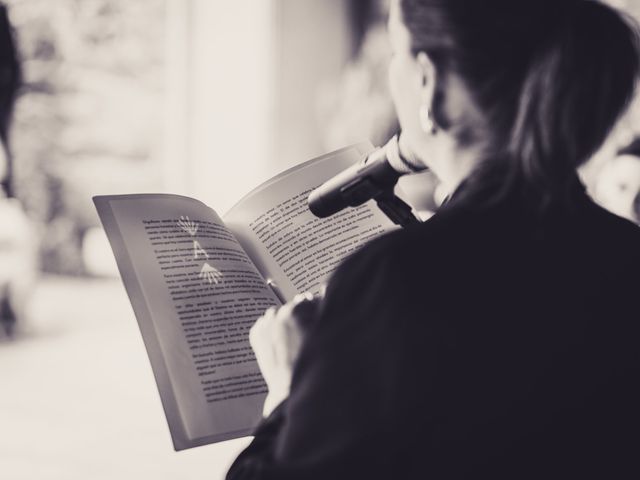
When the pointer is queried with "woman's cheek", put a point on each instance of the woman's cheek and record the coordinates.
(399, 92)
(405, 99)
(393, 81)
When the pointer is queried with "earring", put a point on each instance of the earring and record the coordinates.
(426, 120)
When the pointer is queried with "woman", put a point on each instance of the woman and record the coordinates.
(498, 339)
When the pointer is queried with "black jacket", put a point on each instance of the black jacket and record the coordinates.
(489, 343)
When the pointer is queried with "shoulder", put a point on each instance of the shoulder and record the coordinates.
(610, 242)
(406, 246)
(458, 244)
(400, 261)
(610, 228)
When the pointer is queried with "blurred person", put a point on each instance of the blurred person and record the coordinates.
(617, 185)
(499, 338)
(17, 241)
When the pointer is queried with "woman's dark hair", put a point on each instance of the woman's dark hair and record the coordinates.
(550, 77)
(10, 79)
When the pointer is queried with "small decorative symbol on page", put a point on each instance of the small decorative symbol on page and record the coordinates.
(198, 250)
(210, 274)
(187, 225)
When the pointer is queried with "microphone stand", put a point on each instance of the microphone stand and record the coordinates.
(398, 211)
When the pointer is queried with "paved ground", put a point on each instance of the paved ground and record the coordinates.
(78, 400)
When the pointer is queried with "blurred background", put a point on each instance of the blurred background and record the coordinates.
(199, 97)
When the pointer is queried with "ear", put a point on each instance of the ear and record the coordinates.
(427, 72)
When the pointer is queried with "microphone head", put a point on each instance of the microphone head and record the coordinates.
(354, 186)
(322, 208)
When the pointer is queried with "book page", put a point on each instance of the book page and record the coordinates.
(291, 246)
(196, 295)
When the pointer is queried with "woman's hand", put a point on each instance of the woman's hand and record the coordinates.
(276, 338)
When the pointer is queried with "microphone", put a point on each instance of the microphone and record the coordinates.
(374, 176)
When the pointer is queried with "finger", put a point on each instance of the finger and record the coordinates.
(304, 301)
(284, 331)
(262, 343)
(256, 333)
(294, 320)
(283, 314)
(299, 314)
(299, 305)
(301, 297)
(304, 313)
(286, 340)
(266, 318)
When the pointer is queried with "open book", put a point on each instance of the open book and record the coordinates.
(198, 282)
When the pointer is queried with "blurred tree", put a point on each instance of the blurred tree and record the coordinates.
(89, 117)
